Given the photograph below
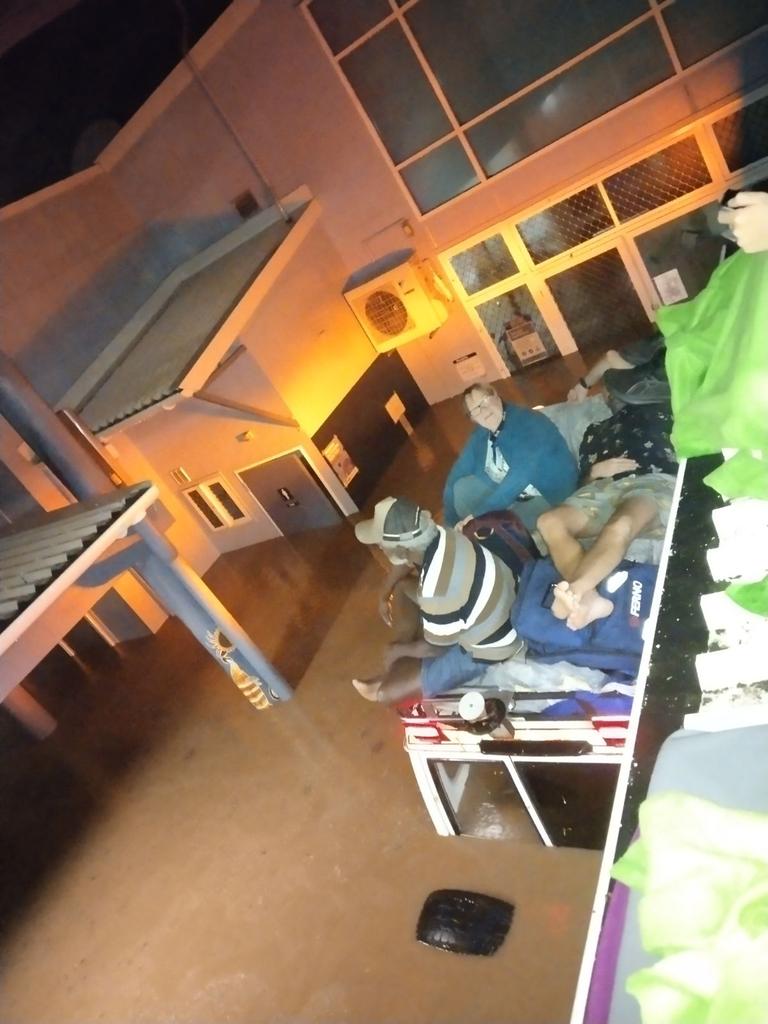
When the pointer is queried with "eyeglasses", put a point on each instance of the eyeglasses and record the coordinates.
(480, 405)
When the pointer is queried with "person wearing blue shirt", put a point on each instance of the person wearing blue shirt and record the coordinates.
(515, 458)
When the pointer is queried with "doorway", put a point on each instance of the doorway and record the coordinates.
(288, 492)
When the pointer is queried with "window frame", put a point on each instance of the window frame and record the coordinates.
(203, 487)
(458, 130)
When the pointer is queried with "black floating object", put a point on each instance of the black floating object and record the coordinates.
(464, 922)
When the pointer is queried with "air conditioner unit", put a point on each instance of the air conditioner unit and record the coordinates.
(398, 304)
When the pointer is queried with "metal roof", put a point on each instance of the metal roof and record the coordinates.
(40, 559)
(160, 346)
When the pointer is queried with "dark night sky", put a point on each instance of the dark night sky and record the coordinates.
(97, 61)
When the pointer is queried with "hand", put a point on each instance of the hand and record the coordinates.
(577, 393)
(385, 608)
(612, 467)
(747, 217)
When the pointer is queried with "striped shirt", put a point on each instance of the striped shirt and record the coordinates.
(466, 596)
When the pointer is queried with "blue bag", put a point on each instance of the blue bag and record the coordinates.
(613, 644)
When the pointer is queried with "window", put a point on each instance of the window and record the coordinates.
(599, 303)
(573, 800)
(566, 224)
(483, 800)
(460, 90)
(626, 67)
(658, 179)
(216, 504)
(700, 27)
(391, 85)
(484, 264)
(443, 173)
(343, 23)
(483, 51)
(743, 135)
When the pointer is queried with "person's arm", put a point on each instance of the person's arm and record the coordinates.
(393, 577)
(612, 360)
(610, 467)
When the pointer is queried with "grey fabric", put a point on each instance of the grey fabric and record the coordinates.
(468, 492)
(730, 768)
(573, 418)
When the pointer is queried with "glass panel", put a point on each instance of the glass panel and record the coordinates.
(657, 180)
(743, 135)
(484, 50)
(226, 500)
(200, 503)
(565, 224)
(395, 93)
(690, 245)
(484, 264)
(699, 27)
(573, 800)
(516, 326)
(483, 800)
(599, 304)
(342, 24)
(440, 175)
(613, 75)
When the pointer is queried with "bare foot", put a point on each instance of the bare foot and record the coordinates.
(588, 607)
(368, 689)
(564, 601)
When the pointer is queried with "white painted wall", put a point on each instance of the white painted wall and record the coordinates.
(60, 248)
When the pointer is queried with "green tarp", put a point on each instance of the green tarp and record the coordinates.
(717, 363)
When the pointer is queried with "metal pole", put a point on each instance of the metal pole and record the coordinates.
(37, 424)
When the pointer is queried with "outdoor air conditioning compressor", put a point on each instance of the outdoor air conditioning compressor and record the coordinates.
(397, 299)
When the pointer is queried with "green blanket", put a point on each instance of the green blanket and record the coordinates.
(717, 360)
(717, 363)
(703, 874)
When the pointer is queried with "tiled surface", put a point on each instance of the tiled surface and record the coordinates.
(175, 856)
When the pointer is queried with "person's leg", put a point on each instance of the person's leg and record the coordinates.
(410, 677)
(469, 492)
(630, 518)
(560, 527)
(576, 599)
(406, 618)
(529, 511)
(400, 682)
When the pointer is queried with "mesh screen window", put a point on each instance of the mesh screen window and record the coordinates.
(565, 225)
(743, 135)
(484, 264)
(658, 179)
